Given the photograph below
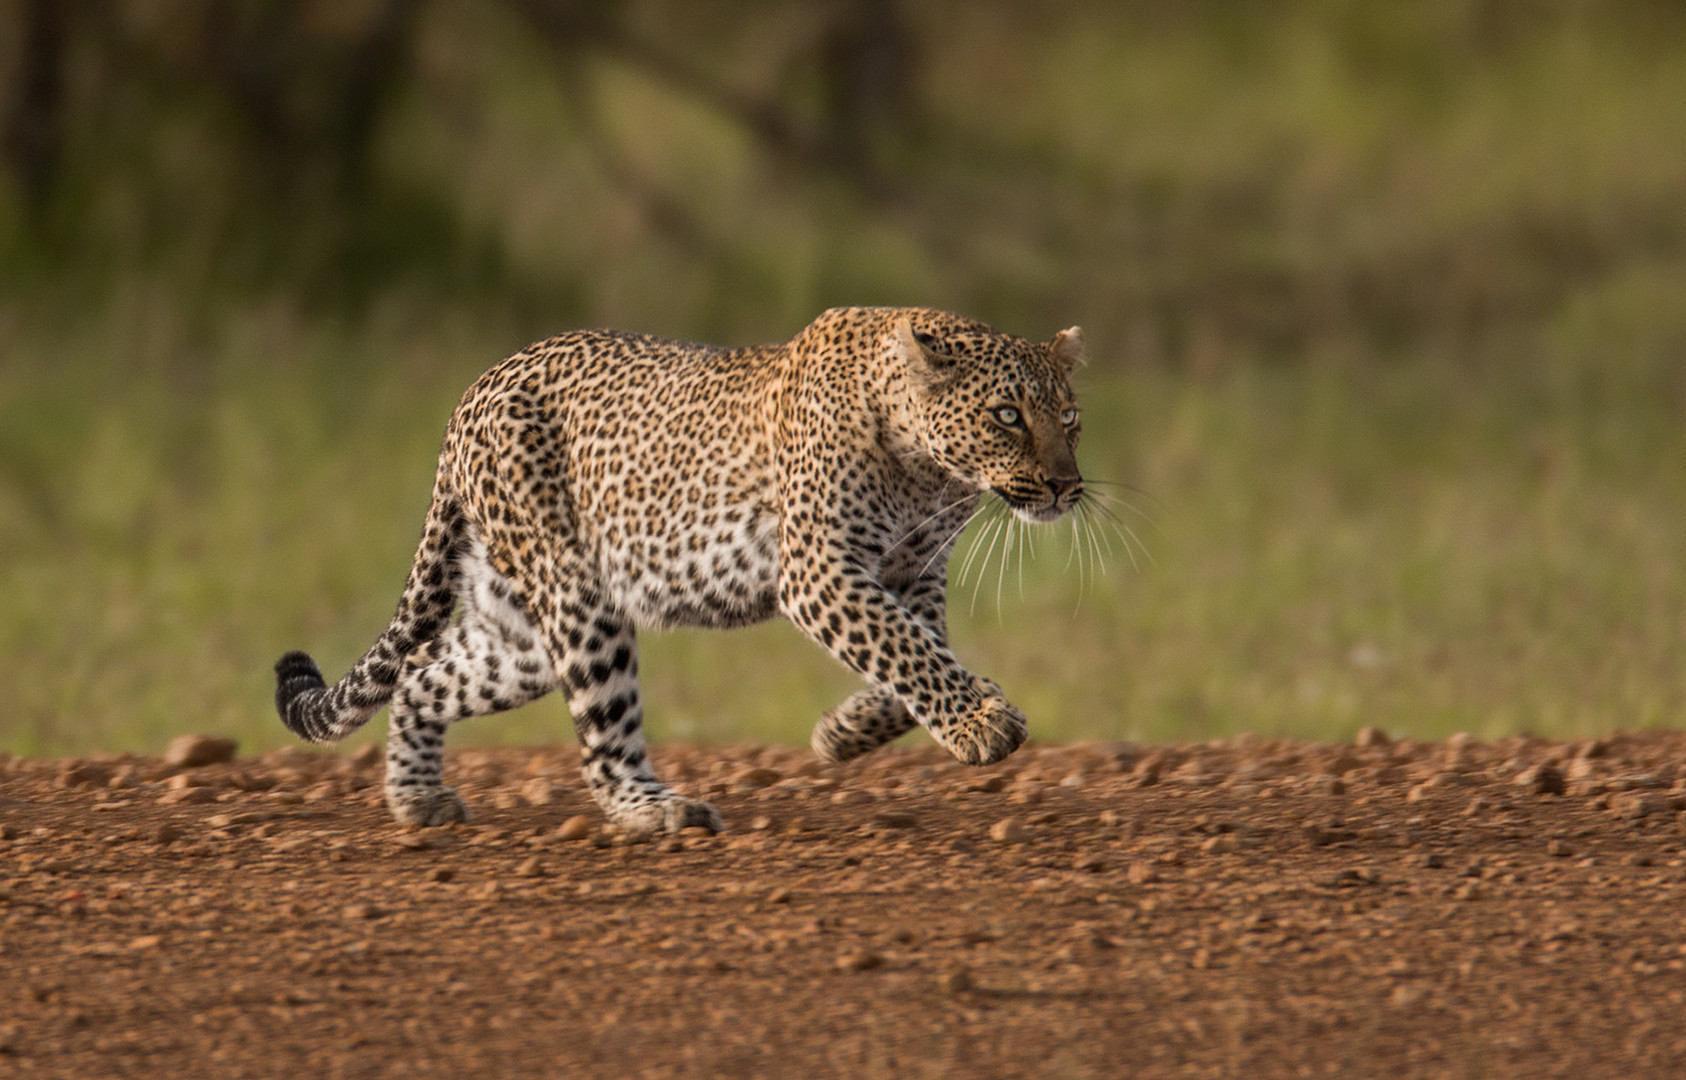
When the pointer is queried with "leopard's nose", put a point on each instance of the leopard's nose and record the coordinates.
(1066, 489)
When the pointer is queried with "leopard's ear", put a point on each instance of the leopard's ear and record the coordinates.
(1067, 348)
(924, 363)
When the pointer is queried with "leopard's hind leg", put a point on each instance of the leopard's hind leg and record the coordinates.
(490, 660)
(529, 530)
(600, 673)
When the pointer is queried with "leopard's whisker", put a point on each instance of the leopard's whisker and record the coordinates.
(1148, 555)
(1006, 556)
(1025, 541)
(1125, 503)
(1077, 551)
(1124, 485)
(1096, 523)
(985, 510)
(948, 542)
(983, 567)
(1126, 534)
(911, 533)
(988, 511)
(1089, 533)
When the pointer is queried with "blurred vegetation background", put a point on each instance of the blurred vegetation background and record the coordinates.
(1384, 304)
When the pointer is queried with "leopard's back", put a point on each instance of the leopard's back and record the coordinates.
(648, 456)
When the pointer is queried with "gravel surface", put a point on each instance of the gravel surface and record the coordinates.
(1243, 908)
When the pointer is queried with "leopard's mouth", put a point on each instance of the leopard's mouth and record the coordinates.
(1043, 506)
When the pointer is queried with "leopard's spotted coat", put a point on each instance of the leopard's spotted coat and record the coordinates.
(602, 481)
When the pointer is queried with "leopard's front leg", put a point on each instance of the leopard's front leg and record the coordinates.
(874, 716)
(826, 592)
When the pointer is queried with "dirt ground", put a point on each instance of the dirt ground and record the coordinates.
(1244, 908)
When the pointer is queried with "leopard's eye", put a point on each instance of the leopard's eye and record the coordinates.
(1069, 417)
(1007, 415)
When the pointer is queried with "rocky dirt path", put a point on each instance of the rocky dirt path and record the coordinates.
(1246, 908)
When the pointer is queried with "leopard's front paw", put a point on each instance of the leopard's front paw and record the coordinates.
(426, 807)
(994, 730)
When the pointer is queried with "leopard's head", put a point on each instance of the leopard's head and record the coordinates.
(997, 411)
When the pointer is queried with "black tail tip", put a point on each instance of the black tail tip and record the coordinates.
(295, 674)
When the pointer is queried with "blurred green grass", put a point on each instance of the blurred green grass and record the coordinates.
(1387, 331)
(1331, 546)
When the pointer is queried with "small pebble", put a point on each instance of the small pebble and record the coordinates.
(1008, 831)
(860, 960)
(577, 827)
(192, 751)
(361, 911)
(530, 868)
(187, 796)
(1541, 780)
(753, 779)
(539, 791)
(1634, 805)
(957, 981)
(441, 874)
(1142, 872)
(1595, 748)
(895, 819)
(1221, 844)
(83, 774)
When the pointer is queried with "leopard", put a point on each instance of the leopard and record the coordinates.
(603, 482)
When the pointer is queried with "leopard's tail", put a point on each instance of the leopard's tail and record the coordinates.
(317, 712)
